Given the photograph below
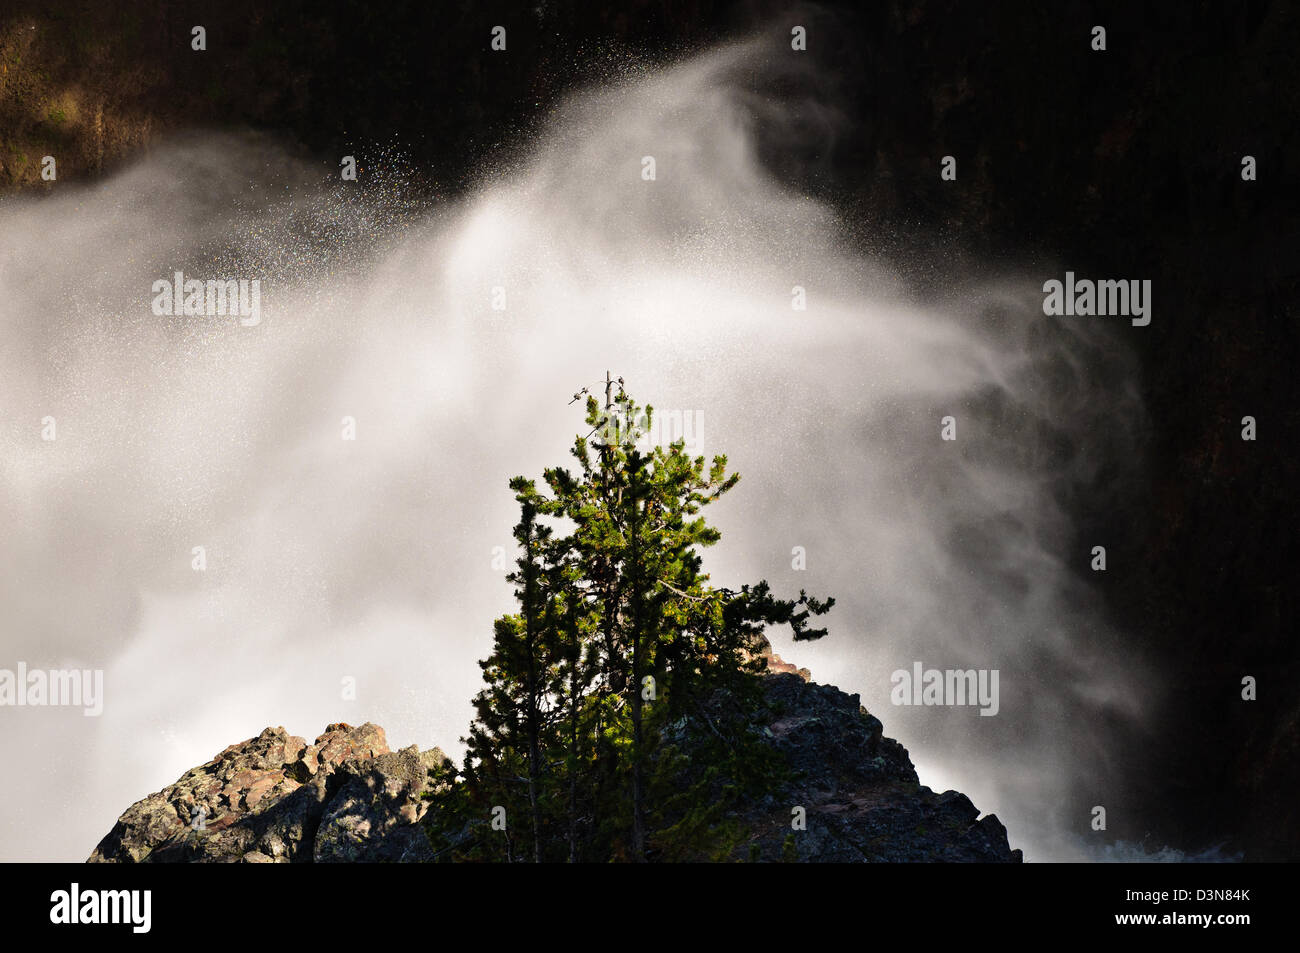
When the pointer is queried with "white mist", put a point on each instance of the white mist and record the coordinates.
(372, 558)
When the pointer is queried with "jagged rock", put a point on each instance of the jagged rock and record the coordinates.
(375, 814)
(277, 799)
(777, 664)
(859, 791)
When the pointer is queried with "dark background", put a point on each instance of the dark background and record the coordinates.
(1123, 163)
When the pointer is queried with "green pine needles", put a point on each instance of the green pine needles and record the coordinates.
(619, 718)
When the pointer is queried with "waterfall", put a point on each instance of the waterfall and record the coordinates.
(375, 559)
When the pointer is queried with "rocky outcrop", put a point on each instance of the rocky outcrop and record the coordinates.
(346, 797)
(858, 791)
(277, 799)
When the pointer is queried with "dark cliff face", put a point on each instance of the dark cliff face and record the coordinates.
(347, 798)
(1117, 164)
(859, 791)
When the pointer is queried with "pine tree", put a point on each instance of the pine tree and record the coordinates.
(622, 660)
(513, 711)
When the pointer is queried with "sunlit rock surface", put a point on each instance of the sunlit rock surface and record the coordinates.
(277, 799)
